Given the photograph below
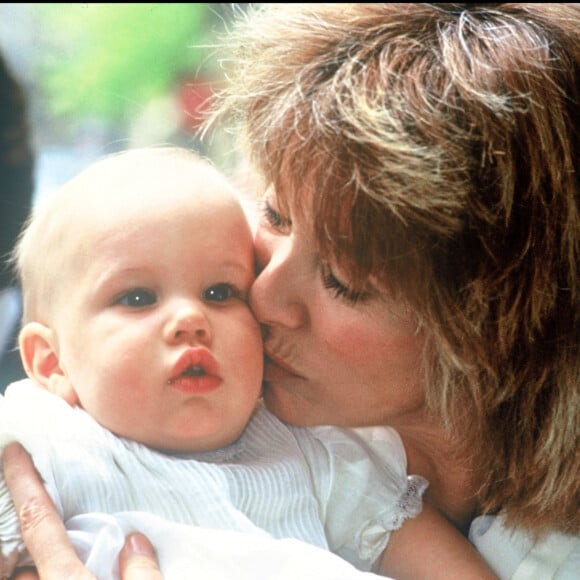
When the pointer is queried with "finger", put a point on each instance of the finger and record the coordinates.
(43, 531)
(138, 560)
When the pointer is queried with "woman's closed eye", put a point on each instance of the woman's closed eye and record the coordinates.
(338, 288)
(137, 298)
(274, 219)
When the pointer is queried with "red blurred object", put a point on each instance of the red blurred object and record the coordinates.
(195, 95)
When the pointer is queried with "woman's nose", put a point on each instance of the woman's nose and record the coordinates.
(276, 296)
(189, 324)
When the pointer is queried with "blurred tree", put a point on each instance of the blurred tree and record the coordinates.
(108, 60)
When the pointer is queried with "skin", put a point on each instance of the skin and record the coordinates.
(131, 303)
(320, 342)
(333, 359)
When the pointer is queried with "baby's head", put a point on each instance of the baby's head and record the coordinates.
(135, 278)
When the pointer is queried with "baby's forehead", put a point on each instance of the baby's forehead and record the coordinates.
(130, 184)
(125, 190)
(149, 174)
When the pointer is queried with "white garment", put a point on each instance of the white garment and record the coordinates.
(325, 486)
(516, 555)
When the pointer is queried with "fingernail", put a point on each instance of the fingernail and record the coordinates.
(139, 544)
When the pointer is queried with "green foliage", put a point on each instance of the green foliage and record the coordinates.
(108, 60)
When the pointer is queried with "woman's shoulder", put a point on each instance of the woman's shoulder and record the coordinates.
(515, 554)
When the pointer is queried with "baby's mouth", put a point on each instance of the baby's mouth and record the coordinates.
(194, 363)
(194, 371)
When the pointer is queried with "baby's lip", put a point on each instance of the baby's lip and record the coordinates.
(198, 361)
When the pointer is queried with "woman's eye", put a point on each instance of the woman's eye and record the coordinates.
(219, 293)
(137, 298)
(273, 217)
(338, 288)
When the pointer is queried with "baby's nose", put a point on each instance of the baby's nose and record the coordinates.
(189, 324)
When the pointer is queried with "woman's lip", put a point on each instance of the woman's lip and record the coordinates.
(271, 359)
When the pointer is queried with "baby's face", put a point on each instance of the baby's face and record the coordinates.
(156, 337)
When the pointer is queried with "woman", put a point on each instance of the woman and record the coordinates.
(418, 248)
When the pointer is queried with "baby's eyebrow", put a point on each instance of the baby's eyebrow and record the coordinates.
(112, 274)
(238, 265)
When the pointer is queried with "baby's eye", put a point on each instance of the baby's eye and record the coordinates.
(137, 298)
(219, 293)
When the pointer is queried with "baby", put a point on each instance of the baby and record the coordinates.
(143, 409)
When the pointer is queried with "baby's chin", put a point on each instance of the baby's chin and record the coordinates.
(196, 445)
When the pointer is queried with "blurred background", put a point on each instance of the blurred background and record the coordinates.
(103, 77)
(86, 80)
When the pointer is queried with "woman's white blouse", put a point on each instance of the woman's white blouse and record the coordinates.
(342, 490)
(515, 554)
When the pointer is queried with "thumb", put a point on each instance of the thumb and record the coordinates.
(137, 560)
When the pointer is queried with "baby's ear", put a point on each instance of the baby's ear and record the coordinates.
(40, 359)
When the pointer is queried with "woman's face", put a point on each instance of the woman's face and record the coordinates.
(331, 357)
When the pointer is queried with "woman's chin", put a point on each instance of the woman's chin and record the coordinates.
(285, 406)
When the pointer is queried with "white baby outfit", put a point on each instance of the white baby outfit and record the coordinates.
(339, 490)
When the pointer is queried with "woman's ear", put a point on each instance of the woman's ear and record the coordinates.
(40, 358)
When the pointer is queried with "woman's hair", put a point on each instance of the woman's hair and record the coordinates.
(436, 147)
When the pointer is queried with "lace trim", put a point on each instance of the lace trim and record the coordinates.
(410, 503)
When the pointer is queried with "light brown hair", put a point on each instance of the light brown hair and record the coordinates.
(448, 135)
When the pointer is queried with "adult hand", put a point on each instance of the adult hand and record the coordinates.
(137, 560)
(45, 536)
